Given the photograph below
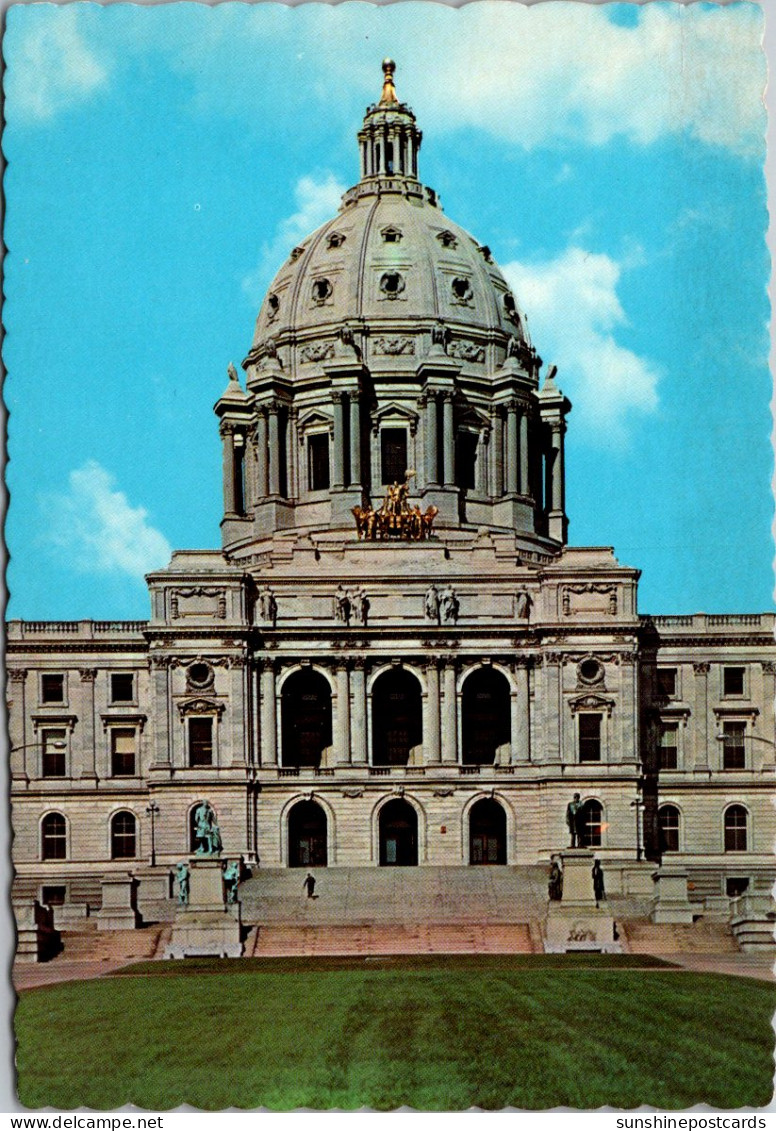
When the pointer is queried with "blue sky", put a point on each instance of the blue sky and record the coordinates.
(162, 161)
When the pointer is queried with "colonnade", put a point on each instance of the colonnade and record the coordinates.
(351, 700)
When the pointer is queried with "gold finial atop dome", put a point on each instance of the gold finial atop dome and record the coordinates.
(389, 90)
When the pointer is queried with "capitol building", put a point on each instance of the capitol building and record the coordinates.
(395, 658)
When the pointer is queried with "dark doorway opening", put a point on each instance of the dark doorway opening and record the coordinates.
(305, 718)
(485, 716)
(307, 836)
(398, 835)
(397, 718)
(487, 833)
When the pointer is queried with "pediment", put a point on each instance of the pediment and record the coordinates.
(394, 411)
(591, 703)
(315, 419)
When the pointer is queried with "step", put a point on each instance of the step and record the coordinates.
(418, 938)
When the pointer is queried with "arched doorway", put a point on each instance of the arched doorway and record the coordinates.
(307, 836)
(487, 833)
(305, 718)
(398, 824)
(485, 716)
(397, 717)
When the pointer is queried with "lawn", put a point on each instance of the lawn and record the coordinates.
(435, 1033)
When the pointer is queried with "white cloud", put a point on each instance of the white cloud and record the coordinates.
(317, 200)
(574, 315)
(99, 529)
(535, 75)
(51, 66)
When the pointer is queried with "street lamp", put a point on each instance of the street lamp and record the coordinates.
(152, 811)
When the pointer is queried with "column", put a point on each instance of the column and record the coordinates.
(765, 756)
(701, 728)
(292, 454)
(89, 766)
(274, 450)
(432, 450)
(338, 449)
(238, 708)
(355, 440)
(449, 715)
(342, 744)
(521, 705)
(227, 436)
(358, 715)
(161, 715)
(557, 467)
(431, 744)
(553, 746)
(496, 464)
(262, 486)
(512, 448)
(17, 724)
(448, 441)
(524, 485)
(269, 738)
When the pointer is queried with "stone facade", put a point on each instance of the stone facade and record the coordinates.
(344, 700)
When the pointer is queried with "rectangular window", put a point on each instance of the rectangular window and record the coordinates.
(733, 754)
(668, 743)
(122, 751)
(54, 745)
(466, 460)
(53, 895)
(122, 687)
(666, 683)
(393, 455)
(589, 738)
(318, 461)
(200, 742)
(52, 688)
(736, 885)
(733, 681)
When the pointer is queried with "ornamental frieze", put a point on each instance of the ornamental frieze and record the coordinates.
(589, 598)
(467, 351)
(394, 347)
(321, 351)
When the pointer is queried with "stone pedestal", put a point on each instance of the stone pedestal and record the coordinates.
(206, 925)
(119, 904)
(670, 903)
(575, 923)
(36, 938)
(752, 921)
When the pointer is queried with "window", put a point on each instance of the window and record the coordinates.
(393, 454)
(54, 746)
(733, 752)
(736, 885)
(589, 738)
(391, 235)
(122, 687)
(122, 837)
(53, 837)
(392, 284)
(462, 289)
(592, 824)
(336, 239)
(668, 828)
(732, 681)
(666, 683)
(122, 751)
(53, 895)
(669, 733)
(52, 688)
(318, 461)
(466, 460)
(200, 742)
(735, 829)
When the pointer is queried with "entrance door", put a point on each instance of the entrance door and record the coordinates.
(398, 835)
(307, 836)
(487, 833)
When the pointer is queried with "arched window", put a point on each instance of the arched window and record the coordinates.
(668, 828)
(305, 718)
(53, 837)
(122, 836)
(592, 825)
(485, 716)
(307, 829)
(736, 818)
(398, 827)
(487, 833)
(397, 718)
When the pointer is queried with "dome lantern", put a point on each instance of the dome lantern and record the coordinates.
(389, 139)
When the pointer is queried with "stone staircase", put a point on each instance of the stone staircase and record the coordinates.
(93, 946)
(643, 937)
(384, 939)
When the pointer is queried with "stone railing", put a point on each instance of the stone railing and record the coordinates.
(702, 621)
(81, 629)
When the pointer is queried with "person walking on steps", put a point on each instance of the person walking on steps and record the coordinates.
(309, 885)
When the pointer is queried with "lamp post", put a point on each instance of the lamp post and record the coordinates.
(152, 809)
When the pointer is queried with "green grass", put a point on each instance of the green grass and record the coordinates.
(530, 1031)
